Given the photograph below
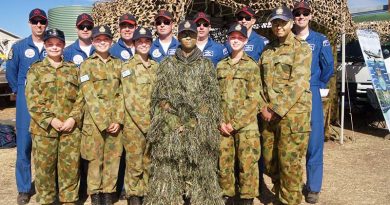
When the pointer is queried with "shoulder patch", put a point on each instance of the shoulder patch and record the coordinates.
(84, 78)
(11, 54)
(225, 51)
(325, 43)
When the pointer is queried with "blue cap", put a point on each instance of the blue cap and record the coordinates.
(281, 12)
(37, 13)
(142, 32)
(54, 33)
(238, 28)
(188, 25)
(101, 30)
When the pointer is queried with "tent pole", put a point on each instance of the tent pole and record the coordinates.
(342, 78)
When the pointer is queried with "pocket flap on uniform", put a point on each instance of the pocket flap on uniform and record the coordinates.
(299, 122)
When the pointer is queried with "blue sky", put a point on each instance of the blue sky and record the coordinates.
(14, 13)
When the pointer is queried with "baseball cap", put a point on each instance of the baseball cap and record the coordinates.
(301, 5)
(127, 18)
(281, 12)
(247, 10)
(239, 28)
(84, 17)
(201, 15)
(54, 33)
(37, 13)
(188, 25)
(164, 13)
(101, 30)
(142, 32)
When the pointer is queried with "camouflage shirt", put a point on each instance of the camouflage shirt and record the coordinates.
(138, 82)
(240, 86)
(102, 91)
(52, 93)
(285, 69)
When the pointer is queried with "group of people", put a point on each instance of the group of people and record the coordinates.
(200, 122)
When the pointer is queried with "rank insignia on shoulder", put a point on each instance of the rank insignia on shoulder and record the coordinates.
(84, 78)
(126, 73)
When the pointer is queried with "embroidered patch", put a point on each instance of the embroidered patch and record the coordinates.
(29, 53)
(77, 59)
(126, 73)
(125, 54)
(325, 43)
(84, 78)
(156, 53)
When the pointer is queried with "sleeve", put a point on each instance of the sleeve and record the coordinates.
(92, 101)
(35, 103)
(77, 111)
(326, 62)
(290, 93)
(250, 106)
(12, 68)
(211, 104)
(67, 54)
(118, 109)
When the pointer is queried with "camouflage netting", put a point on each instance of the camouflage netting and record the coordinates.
(328, 16)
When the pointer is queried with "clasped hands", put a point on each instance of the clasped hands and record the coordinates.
(60, 126)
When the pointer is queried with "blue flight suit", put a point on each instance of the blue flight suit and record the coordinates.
(120, 50)
(22, 55)
(321, 72)
(215, 51)
(254, 47)
(157, 53)
(73, 53)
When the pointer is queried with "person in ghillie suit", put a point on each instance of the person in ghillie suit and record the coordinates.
(183, 135)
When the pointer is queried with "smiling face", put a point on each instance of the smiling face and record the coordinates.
(127, 30)
(54, 47)
(302, 17)
(102, 43)
(163, 25)
(246, 20)
(203, 28)
(142, 45)
(237, 41)
(38, 26)
(281, 28)
(187, 39)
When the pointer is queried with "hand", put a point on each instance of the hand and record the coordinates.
(68, 125)
(267, 114)
(56, 124)
(229, 128)
(113, 128)
(222, 129)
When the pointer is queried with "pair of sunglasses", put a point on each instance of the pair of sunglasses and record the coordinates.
(204, 24)
(247, 18)
(35, 22)
(82, 27)
(165, 22)
(298, 14)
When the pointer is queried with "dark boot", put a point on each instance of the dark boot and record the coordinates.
(23, 198)
(228, 200)
(96, 199)
(246, 201)
(134, 200)
(107, 199)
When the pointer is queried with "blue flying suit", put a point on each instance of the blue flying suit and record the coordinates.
(73, 53)
(321, 72)
(22, 55)
(215, 51)
(120, 50)
(157, 52)
(254, 47)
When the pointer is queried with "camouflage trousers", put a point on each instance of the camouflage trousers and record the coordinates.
(137, 160)
(244, 149)
(102, 151)
(284, 145)
(60, 157)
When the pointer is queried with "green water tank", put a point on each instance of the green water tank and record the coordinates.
(64, 18)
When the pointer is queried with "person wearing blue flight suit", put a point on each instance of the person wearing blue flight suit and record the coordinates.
(256, 43)
(82, 48)
(321, 72)
(211, 49)
(165, 44)
(124, 48)
(21, 56)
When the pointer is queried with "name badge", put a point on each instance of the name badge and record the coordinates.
(84, 78)
(126, 73)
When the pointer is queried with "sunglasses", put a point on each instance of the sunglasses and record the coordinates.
(127, 25)
(185, 34)
(298, 14)
(247, 18)
(35, 22)
(204, 24)
(82, 27)
(165, 22)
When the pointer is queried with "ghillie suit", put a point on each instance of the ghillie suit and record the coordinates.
(183, 136)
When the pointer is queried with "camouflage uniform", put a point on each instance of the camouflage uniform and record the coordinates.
(240, 94)
(54, 93)
(285, 70)
(102, 91)
(138, 82)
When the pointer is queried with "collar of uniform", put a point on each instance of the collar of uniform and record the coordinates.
(77, 47)
(123, 45)
(209, 43)
(95, 55)
(174, 43)
(137, 59)
(289, 39)
(244, 57)
(30, 42)
(311, 35)
(46, 62)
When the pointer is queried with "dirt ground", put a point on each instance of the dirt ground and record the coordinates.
(356, 173)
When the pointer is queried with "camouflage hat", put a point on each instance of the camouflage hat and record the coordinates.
(188, 25)
(83, 18)
(142, 32)
(238, 28)
(37, 13)
(281, 12)
(301, 5)
(101, 30)
(127, 18)
(54, 33)
(201, 15)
